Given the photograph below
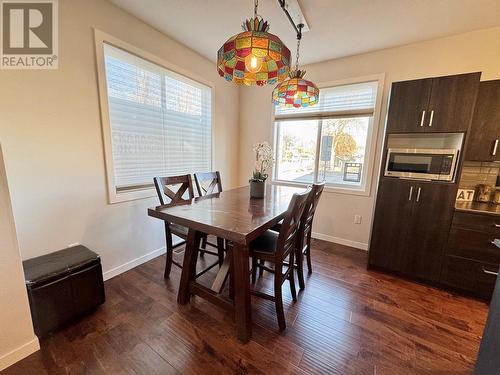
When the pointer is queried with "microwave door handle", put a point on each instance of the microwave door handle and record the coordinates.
(422, 119)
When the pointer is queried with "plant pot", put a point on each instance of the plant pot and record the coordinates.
(257, 189)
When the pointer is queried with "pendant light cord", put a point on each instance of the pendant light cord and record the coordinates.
(255, 7)
(299, 38)
(297, 55)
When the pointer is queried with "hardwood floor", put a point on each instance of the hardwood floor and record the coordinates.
(347, 321)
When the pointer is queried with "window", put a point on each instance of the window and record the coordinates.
(330, 141)
(160, 123)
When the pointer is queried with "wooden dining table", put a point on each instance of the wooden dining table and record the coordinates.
(236, 217)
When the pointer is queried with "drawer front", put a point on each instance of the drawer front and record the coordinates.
(478, 222)
(468, 275)
(473, 244)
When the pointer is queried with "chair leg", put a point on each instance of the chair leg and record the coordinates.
(308, 254)
(220, 250)
(254, 269)
(203, 245)
(261, 269)
(278, 296)
(170, 252)
(291, 276)
(300, 269)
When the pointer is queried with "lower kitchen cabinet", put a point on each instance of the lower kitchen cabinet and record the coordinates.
(470, 276)
(390, 225)
(411, 225)
(472, 260)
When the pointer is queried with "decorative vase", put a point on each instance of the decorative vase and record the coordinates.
(257, 189)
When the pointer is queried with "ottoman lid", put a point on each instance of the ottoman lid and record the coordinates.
(58, 264)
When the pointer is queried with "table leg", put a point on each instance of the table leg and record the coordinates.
(241, 274)
(189, 265)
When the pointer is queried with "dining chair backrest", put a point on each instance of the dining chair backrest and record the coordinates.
(208, 183)
(310, 209)
(287, 239)
(171, 189)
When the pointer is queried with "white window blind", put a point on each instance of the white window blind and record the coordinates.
(161, 122)
(358, 99)
(330, 141)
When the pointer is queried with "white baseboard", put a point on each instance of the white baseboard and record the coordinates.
(341, 241)
(17, 354)
(156, 253)
(133, 263)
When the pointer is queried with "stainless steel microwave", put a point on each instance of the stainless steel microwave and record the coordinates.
(421, 163)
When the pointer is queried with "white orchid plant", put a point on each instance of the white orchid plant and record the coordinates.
(264, 158)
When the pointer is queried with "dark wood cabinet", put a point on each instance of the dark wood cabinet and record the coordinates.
(390, 223)
(430, 221)
(452, 101)
(442, 104)
(472, 260)
(411, 225)
(409, 101)
(470, 276)
(484, 139)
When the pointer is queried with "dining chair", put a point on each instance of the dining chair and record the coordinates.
(173, 191)
(208, 183)
(305, 233)
(275, 248)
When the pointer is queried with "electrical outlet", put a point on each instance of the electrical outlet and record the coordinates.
(357, 219)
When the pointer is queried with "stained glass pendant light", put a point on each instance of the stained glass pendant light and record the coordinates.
(295, 91)
(255, 56)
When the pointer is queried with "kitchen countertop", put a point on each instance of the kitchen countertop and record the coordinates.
(478, 207)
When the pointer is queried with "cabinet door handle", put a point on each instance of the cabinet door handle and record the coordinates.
(496, 225)
(490, 272)
(432, 118)
(495, 147)
(411, 193)
(418, 194)
(422, 119)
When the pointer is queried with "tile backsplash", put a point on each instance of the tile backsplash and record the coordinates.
(475, 173)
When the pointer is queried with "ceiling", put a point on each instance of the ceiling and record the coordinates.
(337, 27)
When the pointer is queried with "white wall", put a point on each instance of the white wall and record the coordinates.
(17, 339)
(474, 51)
(51, 131)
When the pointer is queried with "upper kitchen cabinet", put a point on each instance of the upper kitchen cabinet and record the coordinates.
(483, 143)
(409, 101)
(442, 104)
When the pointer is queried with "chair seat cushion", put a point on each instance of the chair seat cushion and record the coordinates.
(266, 243)
(179, 230)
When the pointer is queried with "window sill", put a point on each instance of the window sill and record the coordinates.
(115, 197)
(334, 189)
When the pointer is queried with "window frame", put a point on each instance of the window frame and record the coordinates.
(371, 144)
(101, 38)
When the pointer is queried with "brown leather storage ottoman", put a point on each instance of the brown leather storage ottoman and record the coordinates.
(62, 286)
